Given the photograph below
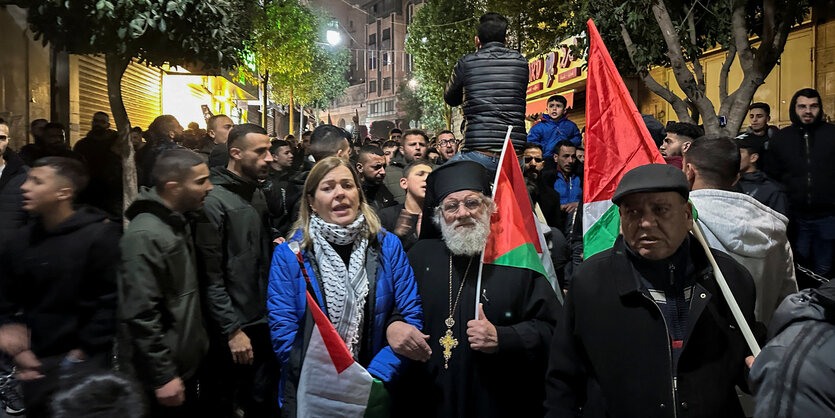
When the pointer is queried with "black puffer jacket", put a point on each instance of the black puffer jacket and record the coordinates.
(800, 158)
(12, 214)
(490, 86)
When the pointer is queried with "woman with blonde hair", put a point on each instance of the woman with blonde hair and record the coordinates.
(356, 273)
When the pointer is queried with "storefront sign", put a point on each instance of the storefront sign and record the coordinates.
(555, 70)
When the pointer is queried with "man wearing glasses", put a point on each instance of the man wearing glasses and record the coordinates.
(447, 145)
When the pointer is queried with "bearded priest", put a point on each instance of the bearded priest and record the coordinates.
(493, 366)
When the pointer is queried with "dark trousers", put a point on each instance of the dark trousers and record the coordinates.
(253, 388)
(189, 409)
(815, 242)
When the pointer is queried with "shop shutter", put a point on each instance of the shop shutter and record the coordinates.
(141, 92)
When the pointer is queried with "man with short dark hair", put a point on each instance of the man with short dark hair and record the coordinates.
(747, 230)
(447, 144)
(58, 283)
(759, 114)
(800, 158)
(545, 195)
(412, 147)
(678, 139)
(163, 134)
(555, 127)
(389, 149)
(753, 181)
(371, 165)
(12, 175)
(162, 339)
(52, 142)
(233, 249)
(277, 186)
(490, 86)
(395, 135)
(650, 309)
(566, 182)
(217, 133)
(100, 150)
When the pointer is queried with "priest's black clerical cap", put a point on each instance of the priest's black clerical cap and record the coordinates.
(447, 179)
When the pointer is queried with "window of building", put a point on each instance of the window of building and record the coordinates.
(386, 59)
(410, 13)
(372, 40)
(389, 106)
(372, 108)
(372, 62)
(387, 83)
(386, 34)
(372, 86)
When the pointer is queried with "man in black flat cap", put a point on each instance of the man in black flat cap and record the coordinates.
(646, 331)
(493, 366)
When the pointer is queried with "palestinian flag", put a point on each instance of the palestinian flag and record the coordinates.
(514, 240)
(617, 140)
(331, 383)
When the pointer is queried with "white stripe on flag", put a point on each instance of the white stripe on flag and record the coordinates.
(593, 211)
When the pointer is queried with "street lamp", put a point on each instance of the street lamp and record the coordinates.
(333, 37)
(413, 84)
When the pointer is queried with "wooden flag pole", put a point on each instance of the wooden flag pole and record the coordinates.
(729, 296)
(495, 181)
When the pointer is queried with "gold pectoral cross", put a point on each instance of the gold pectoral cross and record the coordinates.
(448, 342)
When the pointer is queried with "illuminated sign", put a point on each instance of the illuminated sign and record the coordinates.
(555, 70)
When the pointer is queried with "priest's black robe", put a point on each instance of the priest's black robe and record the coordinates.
(510, 382)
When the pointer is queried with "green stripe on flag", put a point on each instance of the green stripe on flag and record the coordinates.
(602, 235)
(523, 256)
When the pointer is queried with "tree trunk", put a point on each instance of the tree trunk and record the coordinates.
(265, 99)
(291, 111)
(448, 116)
(115, 67)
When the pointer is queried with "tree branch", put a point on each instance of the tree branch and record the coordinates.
(723, 73)
(739, 31)
(679, 106)
(697, 64)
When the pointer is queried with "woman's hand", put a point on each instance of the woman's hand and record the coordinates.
(407, 341)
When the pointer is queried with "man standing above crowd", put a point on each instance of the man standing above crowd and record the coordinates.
(100, 150)
(678, 139)
(489, 85)
(12, 175)
(162, 339)
(647, 332)
(404, 220)
(800, 157)
(554, 127)
(490, 366)
(412, 147)
(753, 181)
(234, 252)
(371, 165)
(58, 283)
(737, 224)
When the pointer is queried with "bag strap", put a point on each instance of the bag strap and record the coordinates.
(294, 246)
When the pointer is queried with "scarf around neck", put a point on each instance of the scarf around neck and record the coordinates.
(345, 287)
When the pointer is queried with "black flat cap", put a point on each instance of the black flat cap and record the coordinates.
(652, 178)
(449, 178)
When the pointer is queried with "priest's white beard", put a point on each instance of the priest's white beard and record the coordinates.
(467, 241)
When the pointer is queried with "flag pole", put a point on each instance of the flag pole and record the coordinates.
(726, 292)
(495, 181)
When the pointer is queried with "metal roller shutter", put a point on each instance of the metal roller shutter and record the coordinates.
(141, 91)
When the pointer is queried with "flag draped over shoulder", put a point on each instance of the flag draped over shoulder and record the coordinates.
(617, 140)
(514, 240)
(331, 383)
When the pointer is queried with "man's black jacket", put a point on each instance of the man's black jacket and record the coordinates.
(490, 87)
(611, 353)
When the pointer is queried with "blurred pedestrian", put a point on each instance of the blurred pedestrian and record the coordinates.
(752, 179)
(371, 165)
(58, 283)
(101, 152)
(404, 220)
(277, 186)
(412, 147)
(217, 129)
(51, 143)
(164, 133)
(12, 175)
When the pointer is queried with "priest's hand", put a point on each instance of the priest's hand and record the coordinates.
(482, 334)
(407, 341)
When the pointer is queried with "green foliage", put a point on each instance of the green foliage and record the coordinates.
(154, 31)
(287, 44)
(531, 23)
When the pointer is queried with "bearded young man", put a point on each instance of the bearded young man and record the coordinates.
(493, 365)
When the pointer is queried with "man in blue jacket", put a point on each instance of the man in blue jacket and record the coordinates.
(555, 127)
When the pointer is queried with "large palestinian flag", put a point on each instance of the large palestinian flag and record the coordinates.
(514, 240)
(617, 140)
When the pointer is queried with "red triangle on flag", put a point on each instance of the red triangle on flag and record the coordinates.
(339, 353)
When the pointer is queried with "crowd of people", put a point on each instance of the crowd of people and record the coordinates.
(201, 305)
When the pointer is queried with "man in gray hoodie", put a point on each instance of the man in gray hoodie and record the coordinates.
(750, 232)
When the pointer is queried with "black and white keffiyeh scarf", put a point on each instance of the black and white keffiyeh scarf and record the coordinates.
(345, 287)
